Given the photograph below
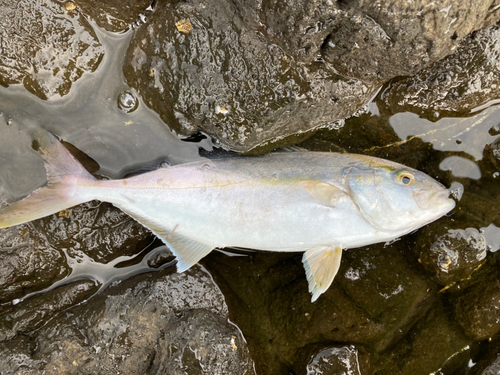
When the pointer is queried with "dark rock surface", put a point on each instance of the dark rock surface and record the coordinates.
(251, 70)
(477, 309)
(155, 323)
(45, 47)
(33, 260)
(454, 255)
(36, 311)
(336, 361)
(113, 15)
(374, 301)
(377, 41)
(433, 343)
(28, 263)
(229, 80)
(454, 86)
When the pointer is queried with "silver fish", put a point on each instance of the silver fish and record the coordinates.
(312, 202)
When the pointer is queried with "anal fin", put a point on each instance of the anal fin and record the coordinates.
(187, 251)
(321, 265)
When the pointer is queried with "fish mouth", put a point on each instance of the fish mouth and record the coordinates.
(434, 198)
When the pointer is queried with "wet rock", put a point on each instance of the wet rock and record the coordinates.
(16, 360)
(36, 255)
(492, 153)
(454, 86)
(28, 263)
(230, 80)
(45, 47)
(374, 301)
(454, 255)
(153, 323)
(113, 15)
(99, 230)
(300, 27)
(381, 281)
(376, 41)
(434, 342)
(486, 360)
(335, 361)
(477, 309)
(36, 311)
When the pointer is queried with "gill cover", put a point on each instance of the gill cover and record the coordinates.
(383, 197)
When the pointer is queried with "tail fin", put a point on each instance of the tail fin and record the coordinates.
(64, 173)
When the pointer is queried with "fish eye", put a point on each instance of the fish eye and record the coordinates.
(405, 178)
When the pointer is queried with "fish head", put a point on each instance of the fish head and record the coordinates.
(394, 198)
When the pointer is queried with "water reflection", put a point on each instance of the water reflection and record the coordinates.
(89, 118)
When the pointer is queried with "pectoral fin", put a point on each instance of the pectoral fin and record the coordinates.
(324, 192)
(321, 265)
(187, 251)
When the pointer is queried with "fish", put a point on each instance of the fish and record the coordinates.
(318, 203)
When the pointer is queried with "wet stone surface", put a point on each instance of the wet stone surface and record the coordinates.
(33, 260)
(154, 323)
(374, 301)
(45, 47)
(454, 255)
(335, 361)
(370, 43)
(35, 312)
(229, 80)
(113, 15)
(455, 85)
(477, 309)
(98, 230)
(28, 262)
(436, 338)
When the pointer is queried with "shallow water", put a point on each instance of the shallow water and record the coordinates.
(89, 118)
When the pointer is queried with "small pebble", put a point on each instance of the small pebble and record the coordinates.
(70, 6)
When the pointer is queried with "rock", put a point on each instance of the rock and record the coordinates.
(335, 361)
(454, 255)
(113, 15)
(28, 263)
(374, 300)
(47, 48)
(255, 73)
(36, 311)
(477, 309)
(154, 323)
(229, 80)
(98, 230)
(492, 152)
(16, 358)
(486, 360)
(381, 282)
(36, 254)
(434, 342)
(377, 41)
(300, 27)
(454, 86)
